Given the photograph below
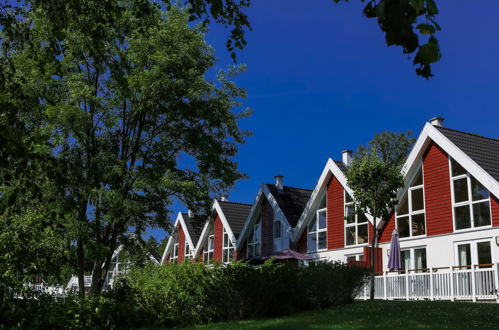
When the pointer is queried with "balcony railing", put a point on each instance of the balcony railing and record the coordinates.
(473, 282)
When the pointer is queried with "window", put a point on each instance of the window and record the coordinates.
(255, 239)
(474, 253)
(355, 224)
(317, 229)
(175, 253)
(470, 199)
(278, 234)
(209, 247)
(414, 259)
(187, 251)
(411, 211)
(228, 248)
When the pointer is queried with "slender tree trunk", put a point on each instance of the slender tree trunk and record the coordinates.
(80, 262)
(373, 256)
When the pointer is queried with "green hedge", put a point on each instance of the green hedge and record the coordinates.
(190, 293)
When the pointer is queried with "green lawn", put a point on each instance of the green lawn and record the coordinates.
(382, 314)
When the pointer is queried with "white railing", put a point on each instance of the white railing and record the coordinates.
(477, 282)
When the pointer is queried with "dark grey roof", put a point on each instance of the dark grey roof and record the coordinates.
(236, 214)
(291, 201)
(194, 226)
(342, 166)
(484, 151)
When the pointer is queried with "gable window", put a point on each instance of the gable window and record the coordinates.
(411, 209)
(470, 199)
(175, 253)
(187, 251)
(209, 247)
(355, 224)
(228, 248)
(317, 230)
(255, 240)
(474, 253)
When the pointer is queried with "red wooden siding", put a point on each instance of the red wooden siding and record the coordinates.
(378, 266)
(267, 228)
(181, 244)
(335, 215)
(386, 232)
(218, 232)
(494, 205)
(438, 202)
(301, 246)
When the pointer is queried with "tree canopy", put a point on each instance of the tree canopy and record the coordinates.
(107, 115)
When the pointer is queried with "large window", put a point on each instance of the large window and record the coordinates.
(411, 210)
(414, 259)
(470, 199)
(175, 253)
(278, 234)
(228, 248)
(255, 240)
(355, 224)
(209, 247)
(474, 253)
(317, 230)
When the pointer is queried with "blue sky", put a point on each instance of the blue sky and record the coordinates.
(321, 79)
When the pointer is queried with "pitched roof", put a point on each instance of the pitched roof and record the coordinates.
(194, 227)
(341, 165)
(484, 151)
(236, 214)
(291, 201)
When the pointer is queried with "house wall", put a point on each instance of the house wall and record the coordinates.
(438, 204)
(267, 228)
(335, 215)
(181, 243)
(218, 233)
(243, 254)
(494, 206)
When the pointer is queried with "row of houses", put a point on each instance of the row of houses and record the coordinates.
(447, 220)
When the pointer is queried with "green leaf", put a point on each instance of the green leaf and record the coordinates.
(426, 29)
(418, 5)
(429, 52)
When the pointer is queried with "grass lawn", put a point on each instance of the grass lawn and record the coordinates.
(382, 314)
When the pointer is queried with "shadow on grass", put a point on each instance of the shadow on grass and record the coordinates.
(382, 314)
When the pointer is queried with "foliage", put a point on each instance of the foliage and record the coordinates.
(190, 293)
(381, 315)
(111, 109)
(405, 23)
(391, 147)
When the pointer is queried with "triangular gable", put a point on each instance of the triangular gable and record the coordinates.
(431, 133)
(204, 234)
(330, 170)
(179, 221)
(264, 192)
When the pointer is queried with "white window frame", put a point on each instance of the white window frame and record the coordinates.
(473, 249)
(317, 231)
(256, 240)
(187, 250)
(470, 202)
(226, 248)
(175, 253)
(355, 224)
(409, 206)
(210, 248)
(412, 257)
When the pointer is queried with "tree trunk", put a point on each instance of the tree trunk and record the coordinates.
(373, 257)
(80, 262)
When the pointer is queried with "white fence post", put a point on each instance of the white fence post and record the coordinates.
(473, 283)
(496, 281)
(384, 285)
(431, 284)
(407, 284)
(452, 298)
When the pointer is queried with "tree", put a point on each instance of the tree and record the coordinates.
(112, 97)
(375, 177)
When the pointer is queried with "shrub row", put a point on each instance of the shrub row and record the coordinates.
(190, 293)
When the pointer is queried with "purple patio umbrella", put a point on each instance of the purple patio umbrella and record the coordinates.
(394, 259)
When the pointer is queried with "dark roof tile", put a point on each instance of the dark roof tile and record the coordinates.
(484, 151)
(194, 226)
(291, 201)
(236, 214)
